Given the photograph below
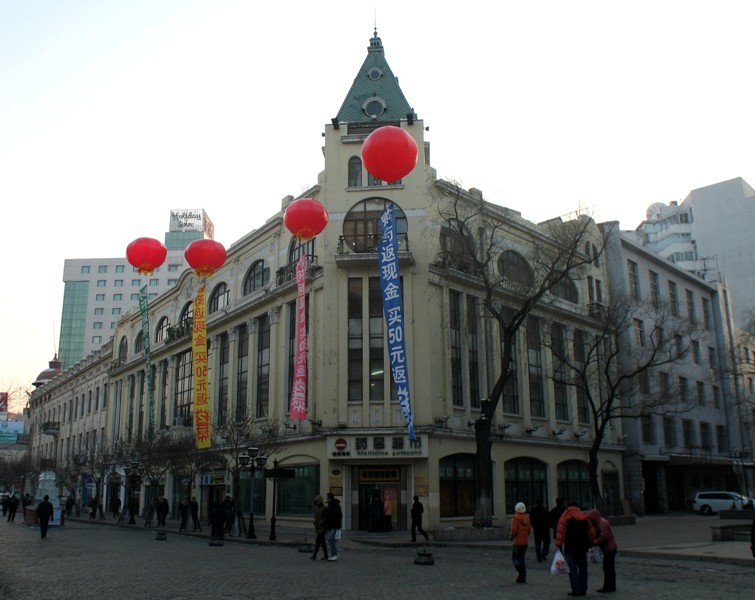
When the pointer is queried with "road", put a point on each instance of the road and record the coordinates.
(82, 561)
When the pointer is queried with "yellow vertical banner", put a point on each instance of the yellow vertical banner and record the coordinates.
(201, 388)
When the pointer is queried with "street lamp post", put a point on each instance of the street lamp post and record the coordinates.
(254, 460)
(275, 484)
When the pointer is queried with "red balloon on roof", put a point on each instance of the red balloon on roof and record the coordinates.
(389, 153)
(205, 256)
(305, 218)
(146, 254)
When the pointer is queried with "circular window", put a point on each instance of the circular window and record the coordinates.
(374, 107)
(374, 73)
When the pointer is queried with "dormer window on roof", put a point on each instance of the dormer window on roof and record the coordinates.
(375, 73)
(374, 107)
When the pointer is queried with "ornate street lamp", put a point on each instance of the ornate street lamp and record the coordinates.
(255, 461)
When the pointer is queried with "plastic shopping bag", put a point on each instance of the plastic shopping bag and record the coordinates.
(594, 555)
(559, 566)
(338, 534)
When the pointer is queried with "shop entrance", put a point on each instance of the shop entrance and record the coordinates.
(375, 486)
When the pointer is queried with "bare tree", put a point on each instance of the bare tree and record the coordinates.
(94, 459)
(475, 240)
(615, 379)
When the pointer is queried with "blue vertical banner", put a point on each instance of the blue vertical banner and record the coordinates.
(390, 284)
(145, 337)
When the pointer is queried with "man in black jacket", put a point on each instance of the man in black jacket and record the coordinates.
(333, 518)
(45, 512)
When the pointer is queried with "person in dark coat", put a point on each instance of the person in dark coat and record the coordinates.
(574, 536)
(605, 540)
(12, 508)
(541, 527)
(556, 513)
(183, 509)
(320, 529)
(333, 521)
(194, 505)
(376, 513)
(417, 510)
(45, 512)
(163, 508)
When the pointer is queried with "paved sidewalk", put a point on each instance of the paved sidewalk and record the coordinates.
(683, 536)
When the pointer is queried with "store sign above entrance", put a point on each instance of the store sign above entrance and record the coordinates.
(377, 446)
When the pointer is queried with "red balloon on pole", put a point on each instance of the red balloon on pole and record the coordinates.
(205, 256)
(389, 153)
(146, 254)
(305, 218)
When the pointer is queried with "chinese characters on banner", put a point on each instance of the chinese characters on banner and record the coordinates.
(201, 389)
(298, 404)
(390, 283)
(145, 337)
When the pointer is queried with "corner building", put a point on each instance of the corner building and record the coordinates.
(354, 441)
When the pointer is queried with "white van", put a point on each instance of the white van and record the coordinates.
(707, 503)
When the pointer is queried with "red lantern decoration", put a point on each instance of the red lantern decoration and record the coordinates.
(146, 254)
(205, 256)
(305, 218)
(389, 153)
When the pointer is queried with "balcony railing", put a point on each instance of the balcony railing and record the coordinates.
(288, 273)
(51, 427)
(182, 329)
(368, 243)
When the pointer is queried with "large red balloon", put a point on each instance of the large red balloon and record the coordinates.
(205, 256)
(389, 153)
(305, 218)
(146, 254)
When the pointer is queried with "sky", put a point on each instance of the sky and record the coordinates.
(113, 113)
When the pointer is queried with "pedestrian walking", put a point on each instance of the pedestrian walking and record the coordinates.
(194, 505)
(417, 510)
(574, 536)
(163, 508)
(556, 513)
(519, 536)
(115, 506)
(605, 540)
(45, 512)
(388, 514)
(320, 529)
(540, 519)
(183, 510)
(12, 508)
(333, 522)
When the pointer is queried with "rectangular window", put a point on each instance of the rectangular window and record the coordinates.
(116, 311)
(643, 381)
(377, 355)
(689, 433)
(135, 297)
(117, 297)
(99, 311)
(263, 366)
(707, 318)
(472, 352)
(722, 439)
(96, 339)
(104, 395)
(583, 404)
(700, 387)
(97, 398)
(711, 357)
(173, 268)
(118, 283)
(101, 283)
(535, 368)
(172, 282)
(716, 396)
(673, 298)
(648, 430)
(655, 289)
(223, 363)
(639, 332)
(119, 268)
(455, 339)
(696, 356)
(102, 269)
(664, 385)
(690, 298)
(242, 372)
(560, 396)
(136, 282)
(511, 387)
(100, 297)
(356, 345)
(296, 493)
(683, 389)
(706, 439)
(184, 390)
(84, 269)
(154, 282)
(97, 325)
(669, 432)
(634, 279)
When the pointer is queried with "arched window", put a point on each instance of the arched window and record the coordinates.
(457, 247)
(187, 315)
(457, 485)
(526, 481)
(574, 482)
(139, 343)
(299, 248)
(566, 290)
(355, 172)
(513, 267)
(123, 350)
(361, 226)
(162, 329)
(257, 277)
(219, 298)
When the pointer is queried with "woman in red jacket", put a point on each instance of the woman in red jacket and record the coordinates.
(606, 541)
(520, 533)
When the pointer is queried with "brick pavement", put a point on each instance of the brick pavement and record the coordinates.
(85, 560)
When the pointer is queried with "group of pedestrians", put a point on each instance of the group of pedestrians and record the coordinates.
(575, 534)
(328, 523)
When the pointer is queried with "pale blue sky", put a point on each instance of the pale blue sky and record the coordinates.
(114, 112)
